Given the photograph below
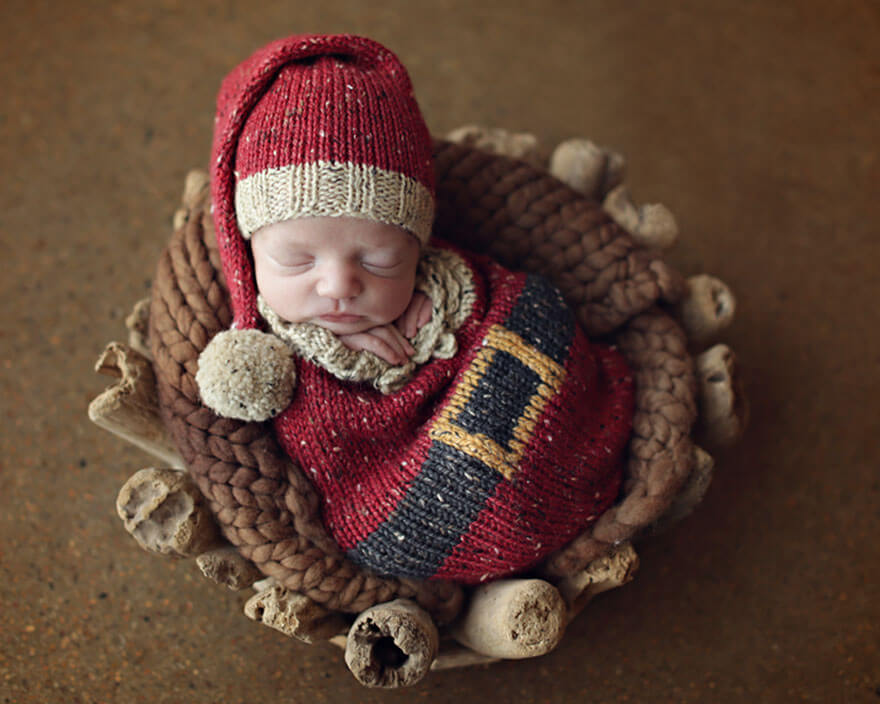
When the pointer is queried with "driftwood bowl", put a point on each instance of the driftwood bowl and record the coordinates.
(227, 496)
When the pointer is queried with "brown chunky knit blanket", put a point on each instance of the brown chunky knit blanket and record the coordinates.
(525, 219)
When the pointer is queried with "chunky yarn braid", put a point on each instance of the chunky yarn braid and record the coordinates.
(527, 220)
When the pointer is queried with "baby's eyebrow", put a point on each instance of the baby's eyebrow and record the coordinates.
(286, 249)
(288, 244)
(387, 244)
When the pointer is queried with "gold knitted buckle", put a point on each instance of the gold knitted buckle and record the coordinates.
(546, 375)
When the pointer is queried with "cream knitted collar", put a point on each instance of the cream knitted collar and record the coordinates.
(441, 275)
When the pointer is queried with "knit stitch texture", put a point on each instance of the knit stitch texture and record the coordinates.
(264, 503)
(484, 463)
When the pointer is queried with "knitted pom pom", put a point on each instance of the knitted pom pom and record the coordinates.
(246, 374)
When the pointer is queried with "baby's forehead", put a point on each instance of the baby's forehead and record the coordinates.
(335, 232)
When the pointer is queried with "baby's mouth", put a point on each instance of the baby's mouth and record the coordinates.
(340, 317)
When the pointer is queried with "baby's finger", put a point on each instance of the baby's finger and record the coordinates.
(396, 340)
(371, 342)
(417, 313)
(426, 309)
(406, 323)
(408, 349)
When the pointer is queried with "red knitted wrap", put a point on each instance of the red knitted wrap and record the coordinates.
(482, 464)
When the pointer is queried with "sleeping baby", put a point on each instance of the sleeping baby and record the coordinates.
(453, 418)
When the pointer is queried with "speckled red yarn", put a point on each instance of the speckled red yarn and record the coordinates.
(483, 464)
(403, 499)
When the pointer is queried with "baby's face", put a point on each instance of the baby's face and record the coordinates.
(344, 274)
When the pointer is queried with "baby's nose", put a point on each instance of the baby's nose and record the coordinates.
(338, 280)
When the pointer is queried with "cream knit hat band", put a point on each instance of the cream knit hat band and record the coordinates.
(332, 189)
(336, 135)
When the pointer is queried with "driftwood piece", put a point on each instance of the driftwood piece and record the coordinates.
(651, 225)
(138, 325)
(130, 407)
(517, 145)
(295, 615)
(707, 308)
(452, 656)
(607, 572)
(225, 566)
(513, 618)
(165, 512)
(391, 644)
(587, 167)
(723, 408)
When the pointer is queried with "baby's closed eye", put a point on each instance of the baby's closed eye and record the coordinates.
(381, 264)
(293, 262)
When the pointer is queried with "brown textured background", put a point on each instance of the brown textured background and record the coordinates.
(757, 123)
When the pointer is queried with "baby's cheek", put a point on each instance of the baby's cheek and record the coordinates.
(397, 300)
(285, 296)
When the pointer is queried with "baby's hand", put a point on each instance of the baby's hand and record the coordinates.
(417, 313)
(389, 342)
(384, 341)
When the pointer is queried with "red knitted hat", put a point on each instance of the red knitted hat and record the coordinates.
(315, 125)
